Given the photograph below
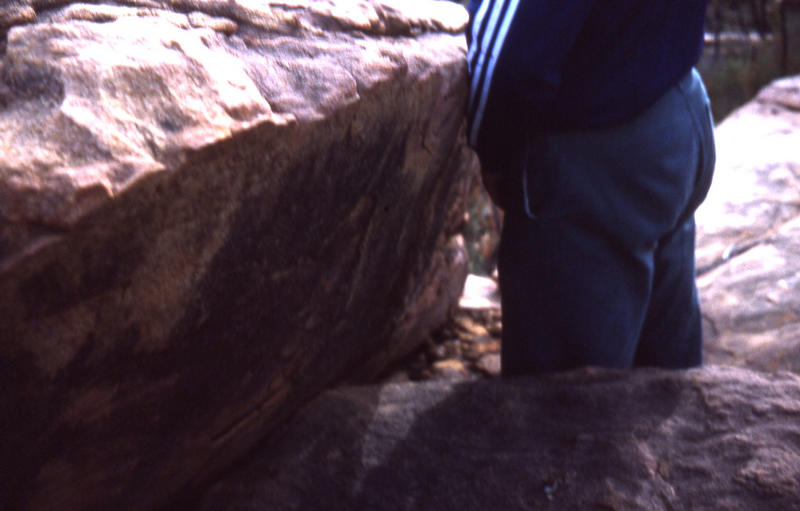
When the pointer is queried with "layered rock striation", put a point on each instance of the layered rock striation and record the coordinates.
(210, 211)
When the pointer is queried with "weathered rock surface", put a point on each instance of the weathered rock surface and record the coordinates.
(210, 210)
(749, 235)
(706, 439)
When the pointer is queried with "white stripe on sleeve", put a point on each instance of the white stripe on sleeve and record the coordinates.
(486, 42)
(496, 48)
(476, 25)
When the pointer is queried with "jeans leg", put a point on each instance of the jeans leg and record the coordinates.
(571, 297)
(672, 332)
(600, 266)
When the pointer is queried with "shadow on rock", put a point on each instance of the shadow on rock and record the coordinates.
(715, 438)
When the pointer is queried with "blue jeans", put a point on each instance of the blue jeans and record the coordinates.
(596, 258)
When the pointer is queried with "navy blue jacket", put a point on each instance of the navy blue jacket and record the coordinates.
(559, 65)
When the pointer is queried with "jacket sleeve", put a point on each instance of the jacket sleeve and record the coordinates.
(516, 52)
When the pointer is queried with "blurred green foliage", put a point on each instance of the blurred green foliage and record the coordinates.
(482, 231)
(736, 64)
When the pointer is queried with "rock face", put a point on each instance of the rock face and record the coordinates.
(210, 210)
(707, 439)
(749, 235)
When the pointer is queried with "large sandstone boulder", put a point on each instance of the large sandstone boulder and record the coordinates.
(706, 439)
(749, 235)
(210, 210)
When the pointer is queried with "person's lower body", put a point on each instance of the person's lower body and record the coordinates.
(596, 259)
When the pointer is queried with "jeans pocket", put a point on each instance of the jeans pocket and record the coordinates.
(535, 175)
(527, 197)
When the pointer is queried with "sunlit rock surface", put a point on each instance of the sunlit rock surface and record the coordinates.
(706, 439)
(749, 235)
(210, 210)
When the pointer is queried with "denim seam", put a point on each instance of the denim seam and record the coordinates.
(702, 135)
(685, 95)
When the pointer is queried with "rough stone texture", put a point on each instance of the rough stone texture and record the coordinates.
(210, 210)
(707, 439)
(749, 235)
